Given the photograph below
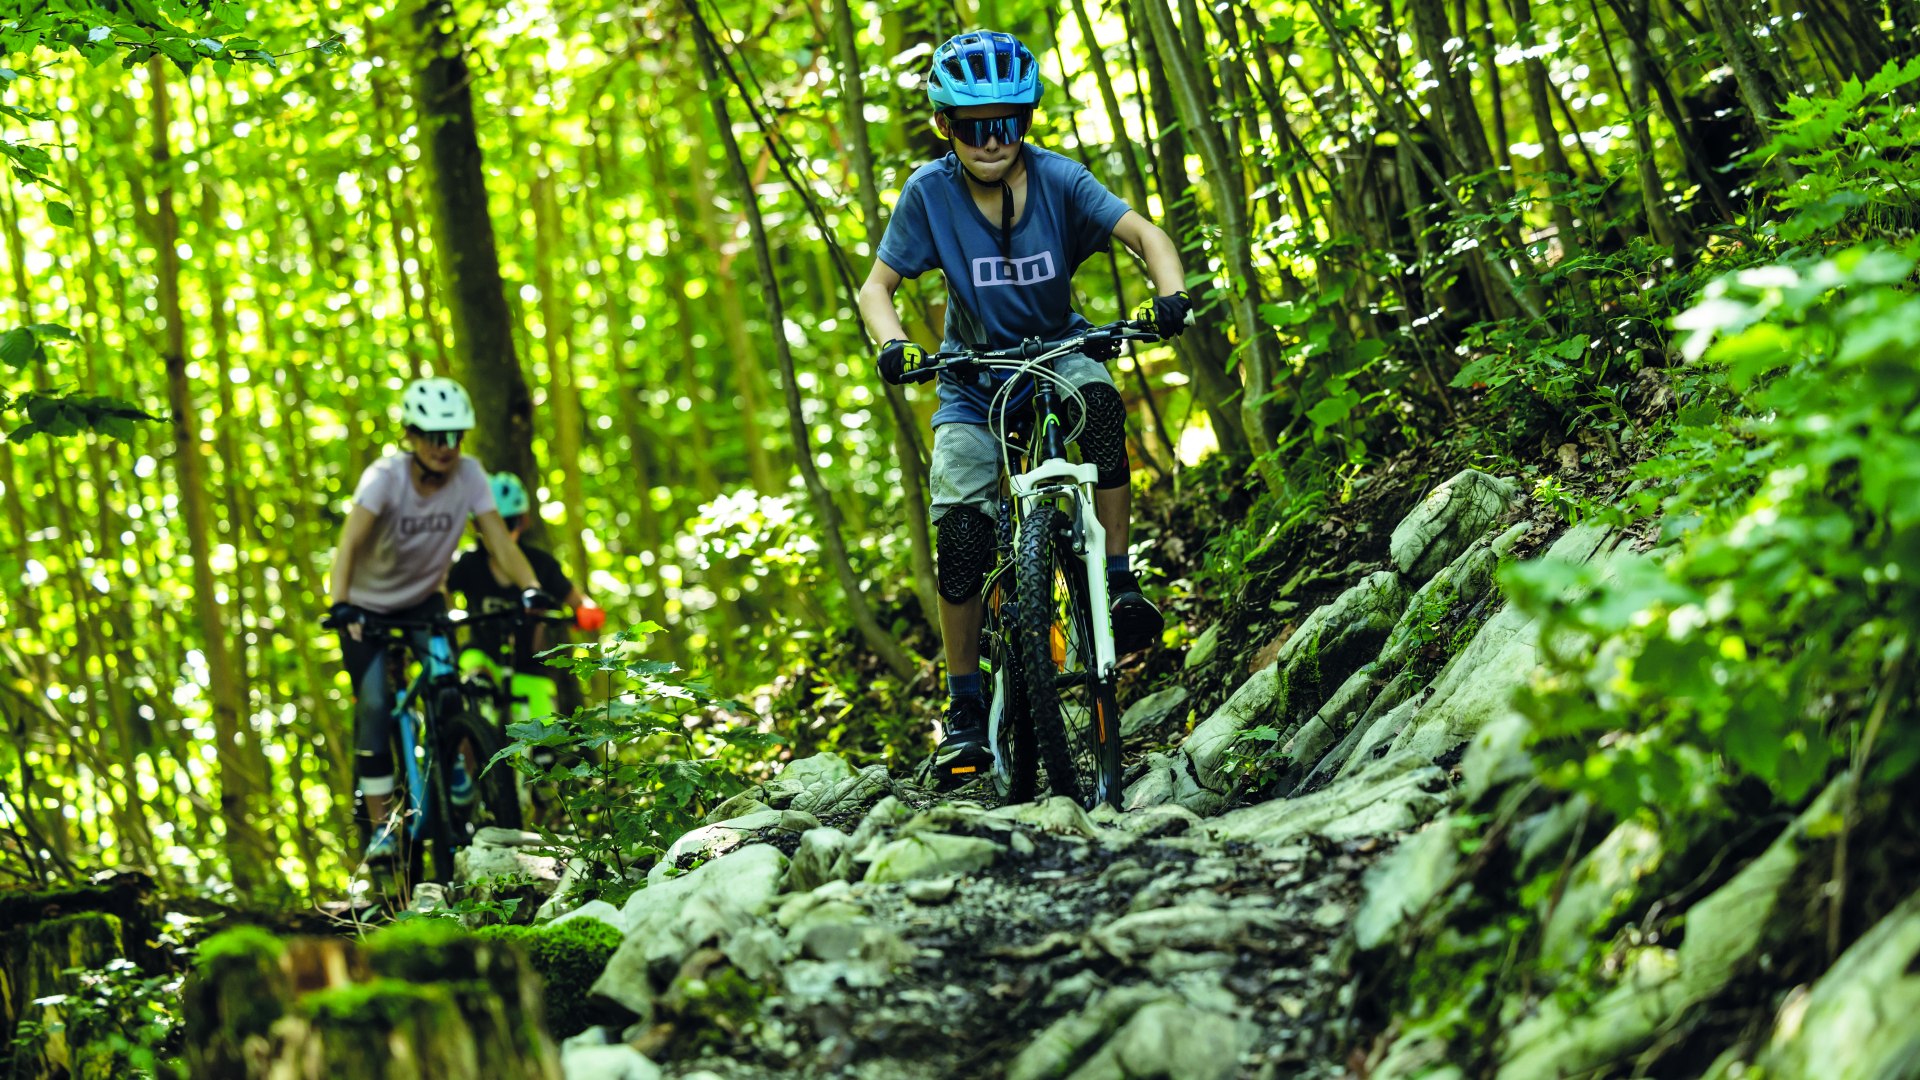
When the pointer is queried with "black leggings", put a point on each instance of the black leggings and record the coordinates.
(366, 665)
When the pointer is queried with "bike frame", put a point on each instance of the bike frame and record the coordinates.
(437, 665)
(1050, 476)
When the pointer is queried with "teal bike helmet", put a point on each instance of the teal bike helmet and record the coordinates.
(983, 67)
(510, 495)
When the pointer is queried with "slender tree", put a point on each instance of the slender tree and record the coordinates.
(833, 543)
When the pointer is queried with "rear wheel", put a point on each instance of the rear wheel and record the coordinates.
(1075, 722)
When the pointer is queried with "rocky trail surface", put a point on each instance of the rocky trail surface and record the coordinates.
(1313, 879)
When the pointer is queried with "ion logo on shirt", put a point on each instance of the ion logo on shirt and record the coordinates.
(1028, 271)
(414, 526)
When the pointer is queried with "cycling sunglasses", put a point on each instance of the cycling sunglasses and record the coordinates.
(978, 130)
(441, 439)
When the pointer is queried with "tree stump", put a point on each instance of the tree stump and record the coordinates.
(422, 1000)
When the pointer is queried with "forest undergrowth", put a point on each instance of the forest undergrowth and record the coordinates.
(1720, 370)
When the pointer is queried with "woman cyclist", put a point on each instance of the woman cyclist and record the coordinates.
(408, 513)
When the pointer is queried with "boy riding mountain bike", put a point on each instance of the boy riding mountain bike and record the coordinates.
(1007, 224)
(487, 587)
(485, 584)
(408, 513)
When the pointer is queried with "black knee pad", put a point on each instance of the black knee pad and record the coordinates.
(963, 549)
(1104, 439)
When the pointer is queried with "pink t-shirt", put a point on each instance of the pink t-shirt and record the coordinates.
(414, 537)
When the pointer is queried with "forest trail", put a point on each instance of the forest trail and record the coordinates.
(835, 921)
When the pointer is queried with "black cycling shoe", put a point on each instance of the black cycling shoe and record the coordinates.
(1136, 622)
(964, 755)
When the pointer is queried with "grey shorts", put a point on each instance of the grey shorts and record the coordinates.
(966, 457)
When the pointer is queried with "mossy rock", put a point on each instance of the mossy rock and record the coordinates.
(569, 956)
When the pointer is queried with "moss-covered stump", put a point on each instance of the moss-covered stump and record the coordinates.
(242, 981)
(35, 959)
(424, 999)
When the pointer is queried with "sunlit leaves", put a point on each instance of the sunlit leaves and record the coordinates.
(1792, 597)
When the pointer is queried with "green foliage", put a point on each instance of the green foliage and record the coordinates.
(118, 1022)
(642, 766)
(1853, 149)
(52, 413)
(569, 956)
(1762, 642)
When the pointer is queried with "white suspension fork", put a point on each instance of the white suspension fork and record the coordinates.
(1058, 477)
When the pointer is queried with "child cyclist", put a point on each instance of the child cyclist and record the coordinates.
(408, 513)
(487, 587)
(1007, 224)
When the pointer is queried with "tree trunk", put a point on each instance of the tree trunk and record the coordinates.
(556, 320)
(1635, 21)
(1559, 173)
(742, 359)
(1247, 435)
(247, 851)
(465, 251)
(1749, 74)
(913, 469)
(832, 542)
(1653, 187)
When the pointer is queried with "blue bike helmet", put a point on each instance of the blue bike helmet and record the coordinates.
(983, 67)
(510, 495)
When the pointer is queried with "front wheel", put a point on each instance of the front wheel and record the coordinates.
(1016, 767)
(1075, 722)
(497, 800)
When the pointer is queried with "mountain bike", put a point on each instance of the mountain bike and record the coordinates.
(1048, 635)
(503, 695)
(432, 724)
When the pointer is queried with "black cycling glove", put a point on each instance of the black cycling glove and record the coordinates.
(341, 615)
(900, 361)
(1168, 314)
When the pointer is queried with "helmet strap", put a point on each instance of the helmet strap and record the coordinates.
(427, 473)
(1006, 193)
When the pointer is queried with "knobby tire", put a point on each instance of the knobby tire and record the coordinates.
(1076, 729)
(1016, 720)
(498, 797)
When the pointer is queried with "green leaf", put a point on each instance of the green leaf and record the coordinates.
(1330, 411)
(17, 347)
(60, 214)
(1572, 348)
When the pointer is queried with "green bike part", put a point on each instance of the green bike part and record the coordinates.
(535, 697)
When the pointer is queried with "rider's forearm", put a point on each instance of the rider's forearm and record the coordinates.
(1162, 256)
(514, 562)
(876, 308)
(340, 576)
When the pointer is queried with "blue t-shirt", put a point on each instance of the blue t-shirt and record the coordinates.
(994, 302)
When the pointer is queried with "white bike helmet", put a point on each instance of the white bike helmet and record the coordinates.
(437, 404)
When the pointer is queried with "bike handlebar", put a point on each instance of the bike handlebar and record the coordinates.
(451, 620)
(1033, 348)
